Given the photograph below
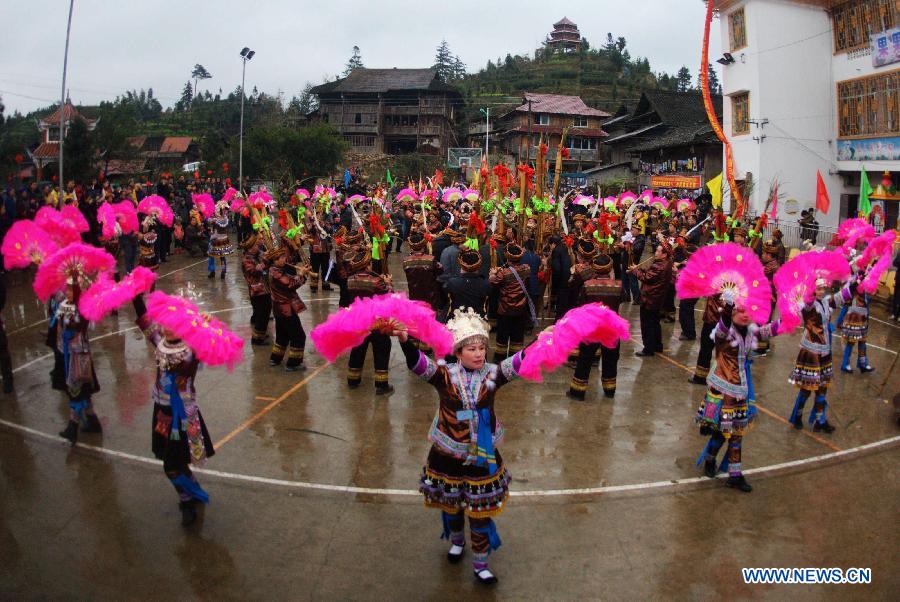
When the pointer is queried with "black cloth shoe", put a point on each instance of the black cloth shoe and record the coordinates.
(644, 353)
(259, 342)
(684, 337)
(455, 558)
(798, 423)
(697, 380)
(70, 432)
(823, 427)
(610, 393)
(211, 275)
(485, 576)
(866, 369)
(93, 424)
(298, 368)
(709, 468)
(188, 512)
(354, 384)
(384, 390)
(222, 276)
(739, 483)
(576, 395)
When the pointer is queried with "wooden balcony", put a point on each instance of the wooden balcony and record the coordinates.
(411, 130)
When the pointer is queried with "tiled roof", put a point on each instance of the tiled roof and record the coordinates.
(175, 144)
(117, 167)
(559, 104)
(563, 21)
(70, 113)
(678, 136)
(677, 108)
(632, 133)
(46, 150)
(373, 81)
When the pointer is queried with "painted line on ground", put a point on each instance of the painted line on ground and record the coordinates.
(884, 322)
(764, 410)
(537, 493)
(243, 426)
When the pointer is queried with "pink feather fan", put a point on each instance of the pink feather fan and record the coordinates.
(123, 214)
(229, 194)
(852, 230)
(349, 327)
(106, 295)
(880, 250)
(712, 269)
(592, 323)
(205, 204)
(157, 206)
(63, 231)
(26, 243)
(80, 261)
(106, 215)
(210, 339)
(127, 217)
(795, 282)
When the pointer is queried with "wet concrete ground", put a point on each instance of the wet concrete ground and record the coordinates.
(86, 524)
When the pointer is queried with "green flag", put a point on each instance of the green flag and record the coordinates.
(865, 189)
(389, 179)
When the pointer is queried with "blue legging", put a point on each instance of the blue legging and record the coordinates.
(211, 264)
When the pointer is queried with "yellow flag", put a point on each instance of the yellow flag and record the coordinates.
(715, 189)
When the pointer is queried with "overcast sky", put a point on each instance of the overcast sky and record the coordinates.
(129, 44)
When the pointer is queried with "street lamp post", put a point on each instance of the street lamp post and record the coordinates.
(487, 131)
(246, 55)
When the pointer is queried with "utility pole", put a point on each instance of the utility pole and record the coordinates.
(62, 100)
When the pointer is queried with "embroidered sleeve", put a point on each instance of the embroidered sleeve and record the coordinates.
(150, 330)
(509, 367)
(841, 297)
(421, 365)
(769, 330)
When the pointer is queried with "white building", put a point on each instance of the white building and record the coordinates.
(806, 92)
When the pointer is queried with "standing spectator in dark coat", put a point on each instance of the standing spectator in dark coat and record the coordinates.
(654, 281)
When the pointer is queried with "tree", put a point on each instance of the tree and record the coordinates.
(78, 152)
(714, 86)
(459, 68)
(683, 79)
(187, 97)
(355, 61)
(620, 43)
(199, 73)
(286, 154)
(111, 136)
(443, 61)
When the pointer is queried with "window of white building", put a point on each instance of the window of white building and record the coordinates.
(854, 21)
(737, 29)
(869, 106)
(740, 114)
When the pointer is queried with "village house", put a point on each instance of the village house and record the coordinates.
(391, 111)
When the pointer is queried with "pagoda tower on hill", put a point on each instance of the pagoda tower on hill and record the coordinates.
(565, 37)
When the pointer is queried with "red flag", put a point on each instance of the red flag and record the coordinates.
(775, 201)
(822, 200)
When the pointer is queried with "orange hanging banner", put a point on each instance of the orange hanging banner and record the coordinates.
(714, 119)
